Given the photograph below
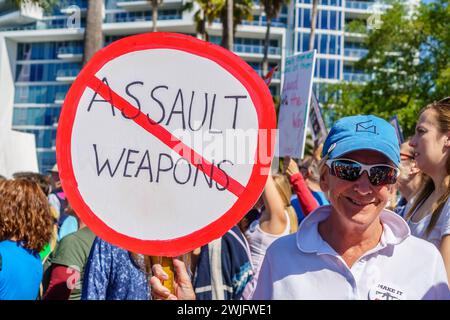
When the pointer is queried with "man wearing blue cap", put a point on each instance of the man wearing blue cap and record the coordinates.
(354, 248)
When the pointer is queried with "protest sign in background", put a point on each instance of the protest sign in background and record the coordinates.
(131, 142)
(317, 124)
(398, 129)
(295, 99)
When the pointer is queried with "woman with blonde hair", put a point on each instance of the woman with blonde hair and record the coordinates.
(25, 228)
(429, 216)
(285, 192)
(278, 219)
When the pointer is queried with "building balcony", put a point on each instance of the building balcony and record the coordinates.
(138, 5)
(43, 24)
(355, 53)
(358, 5)
(263, 23)
(246, 48)
(356, 77)
(71, 10)
(118, 17)
(27, 13)
(70, 53)
(59, 97)
(66, 75)
(360, 9)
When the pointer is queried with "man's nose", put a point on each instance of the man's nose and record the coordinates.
(363, 185)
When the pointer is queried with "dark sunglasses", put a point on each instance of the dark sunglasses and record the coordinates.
(351, 170)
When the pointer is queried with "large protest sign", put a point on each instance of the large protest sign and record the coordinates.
(295, 99)
(317, 124)
(149, 143)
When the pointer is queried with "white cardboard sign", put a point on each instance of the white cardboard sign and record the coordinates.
(295, 98)
(317, 124)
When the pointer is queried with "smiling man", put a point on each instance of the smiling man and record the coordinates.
(354, 248)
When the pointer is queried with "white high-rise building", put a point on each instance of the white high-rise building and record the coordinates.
(40, 53)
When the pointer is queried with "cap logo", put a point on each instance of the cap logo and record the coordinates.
(366, 127)
(382, 291)
(331, 148)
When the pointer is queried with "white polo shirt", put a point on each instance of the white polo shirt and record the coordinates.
(304, 266)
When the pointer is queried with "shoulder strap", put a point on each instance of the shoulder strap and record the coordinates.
(244, 244)
(1, 262)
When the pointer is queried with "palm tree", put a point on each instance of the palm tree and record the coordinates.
(313, 24)
(239, 10)
(229, 40)
(209, 11)
(93, 35)
(271, 9)
(226, 11)
(155, 4)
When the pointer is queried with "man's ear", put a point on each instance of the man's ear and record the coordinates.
(324, 183)
(447, 142)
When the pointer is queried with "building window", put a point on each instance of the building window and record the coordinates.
(324, 43)
(323, 68)
(41, 116)
(46, 50)
(39, 93)
(45, 138)
(331, 69)
(333, 20)
(304, 16)
(46, 160)
(327, 68)
(45, 71)
(323, 2)
(326, 19)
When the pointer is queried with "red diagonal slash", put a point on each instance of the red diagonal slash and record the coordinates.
(166, 137)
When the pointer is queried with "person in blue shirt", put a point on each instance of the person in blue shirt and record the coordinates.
(25, 228)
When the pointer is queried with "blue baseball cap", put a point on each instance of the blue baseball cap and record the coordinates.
(362, 132)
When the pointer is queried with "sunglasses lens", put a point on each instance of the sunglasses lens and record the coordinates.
(346, 170)
(381, 175)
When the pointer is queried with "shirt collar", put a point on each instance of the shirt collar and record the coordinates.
(395, 230)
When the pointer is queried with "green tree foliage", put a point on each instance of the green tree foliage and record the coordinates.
(409, 58)
(208, 11)
(47, 5)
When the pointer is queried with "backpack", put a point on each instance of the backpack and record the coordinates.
(59, 193)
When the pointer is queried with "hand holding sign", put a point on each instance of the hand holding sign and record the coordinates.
(182, 287)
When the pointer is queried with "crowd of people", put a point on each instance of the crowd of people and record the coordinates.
(327, 227)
